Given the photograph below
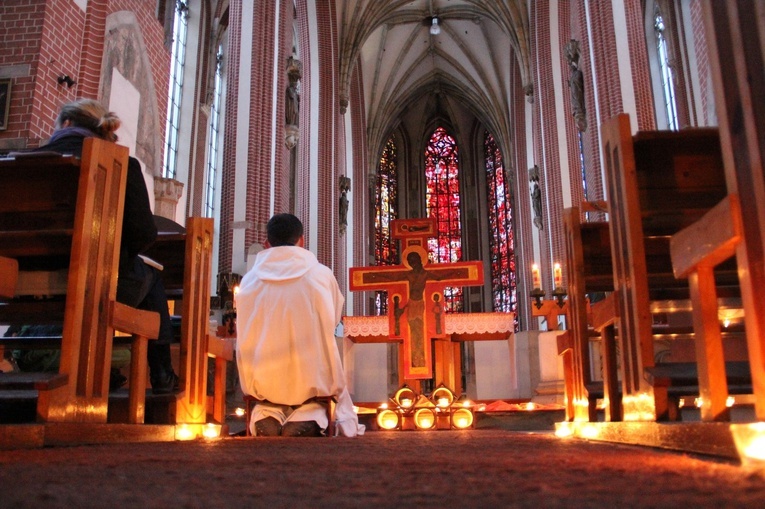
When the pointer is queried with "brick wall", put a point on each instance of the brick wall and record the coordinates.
(259, 154)
(517, 170)
(302, 176)
(706, 94)
(42, 41)
(282, 183)
(325, 137)
(228, 167)
(47, 39)
(360, 192)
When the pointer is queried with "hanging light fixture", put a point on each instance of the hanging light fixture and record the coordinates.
(435, 28)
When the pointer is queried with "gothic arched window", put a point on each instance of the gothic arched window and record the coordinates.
(442, 202)
(175, 90)
(667, 78)
(213, 144)
(386, 247)
(501, 240)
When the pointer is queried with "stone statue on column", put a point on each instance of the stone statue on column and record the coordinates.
(536, 196)
(292, 102)
(345, 188)
(576, 84)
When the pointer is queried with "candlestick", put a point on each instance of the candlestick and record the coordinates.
(536, 278)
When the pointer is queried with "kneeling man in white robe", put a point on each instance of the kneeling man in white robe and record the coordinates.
(288, 306)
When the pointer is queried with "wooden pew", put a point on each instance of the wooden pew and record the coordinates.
(589, 271)
(658, 183)
(696, 251)
(66, 213)
(187, 264)
(733, 35)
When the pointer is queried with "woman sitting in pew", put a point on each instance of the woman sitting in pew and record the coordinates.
(139, 285)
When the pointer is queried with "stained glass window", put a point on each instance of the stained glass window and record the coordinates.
(386, 247)
(442, 202)
(501, 241)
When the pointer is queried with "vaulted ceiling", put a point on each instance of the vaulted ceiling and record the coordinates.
(480, 45)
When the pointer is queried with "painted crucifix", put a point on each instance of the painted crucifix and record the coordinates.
(415, 292)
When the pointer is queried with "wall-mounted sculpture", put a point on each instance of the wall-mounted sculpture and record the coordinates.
(576, 84)
(292, 103)
(536, 196)
(345, 188)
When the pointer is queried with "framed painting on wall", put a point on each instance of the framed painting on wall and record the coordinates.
(5, 102)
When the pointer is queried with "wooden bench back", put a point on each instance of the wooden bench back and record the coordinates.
(589, 270)
(63, 212)
(187, 260)
(658, 183)
(739, 88)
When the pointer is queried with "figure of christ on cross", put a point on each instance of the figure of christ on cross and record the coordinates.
(414, 293)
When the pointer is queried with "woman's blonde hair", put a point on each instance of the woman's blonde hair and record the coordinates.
(91, 115)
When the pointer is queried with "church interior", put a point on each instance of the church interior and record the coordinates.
(588, 176)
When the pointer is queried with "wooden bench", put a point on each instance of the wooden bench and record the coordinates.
(696, 251)
(658, 183)
(589, 271)
(736, 72)
(65, 213)
(186, 257)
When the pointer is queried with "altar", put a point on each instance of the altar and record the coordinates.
(458, 327)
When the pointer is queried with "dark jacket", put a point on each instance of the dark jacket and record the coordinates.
(138, 228)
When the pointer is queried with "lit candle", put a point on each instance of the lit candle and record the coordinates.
(443, 402)
(211, 430)
(536, 278)
(406, 402)
(557, 276)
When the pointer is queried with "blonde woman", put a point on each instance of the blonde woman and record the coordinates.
(139, 285)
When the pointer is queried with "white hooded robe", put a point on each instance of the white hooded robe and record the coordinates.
(287, 307)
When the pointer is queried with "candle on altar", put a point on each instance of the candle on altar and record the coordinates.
(536, 278)
(557, 276)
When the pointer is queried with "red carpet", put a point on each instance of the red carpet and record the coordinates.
(476, 468)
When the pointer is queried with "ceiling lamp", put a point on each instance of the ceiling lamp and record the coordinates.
(435, 28)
